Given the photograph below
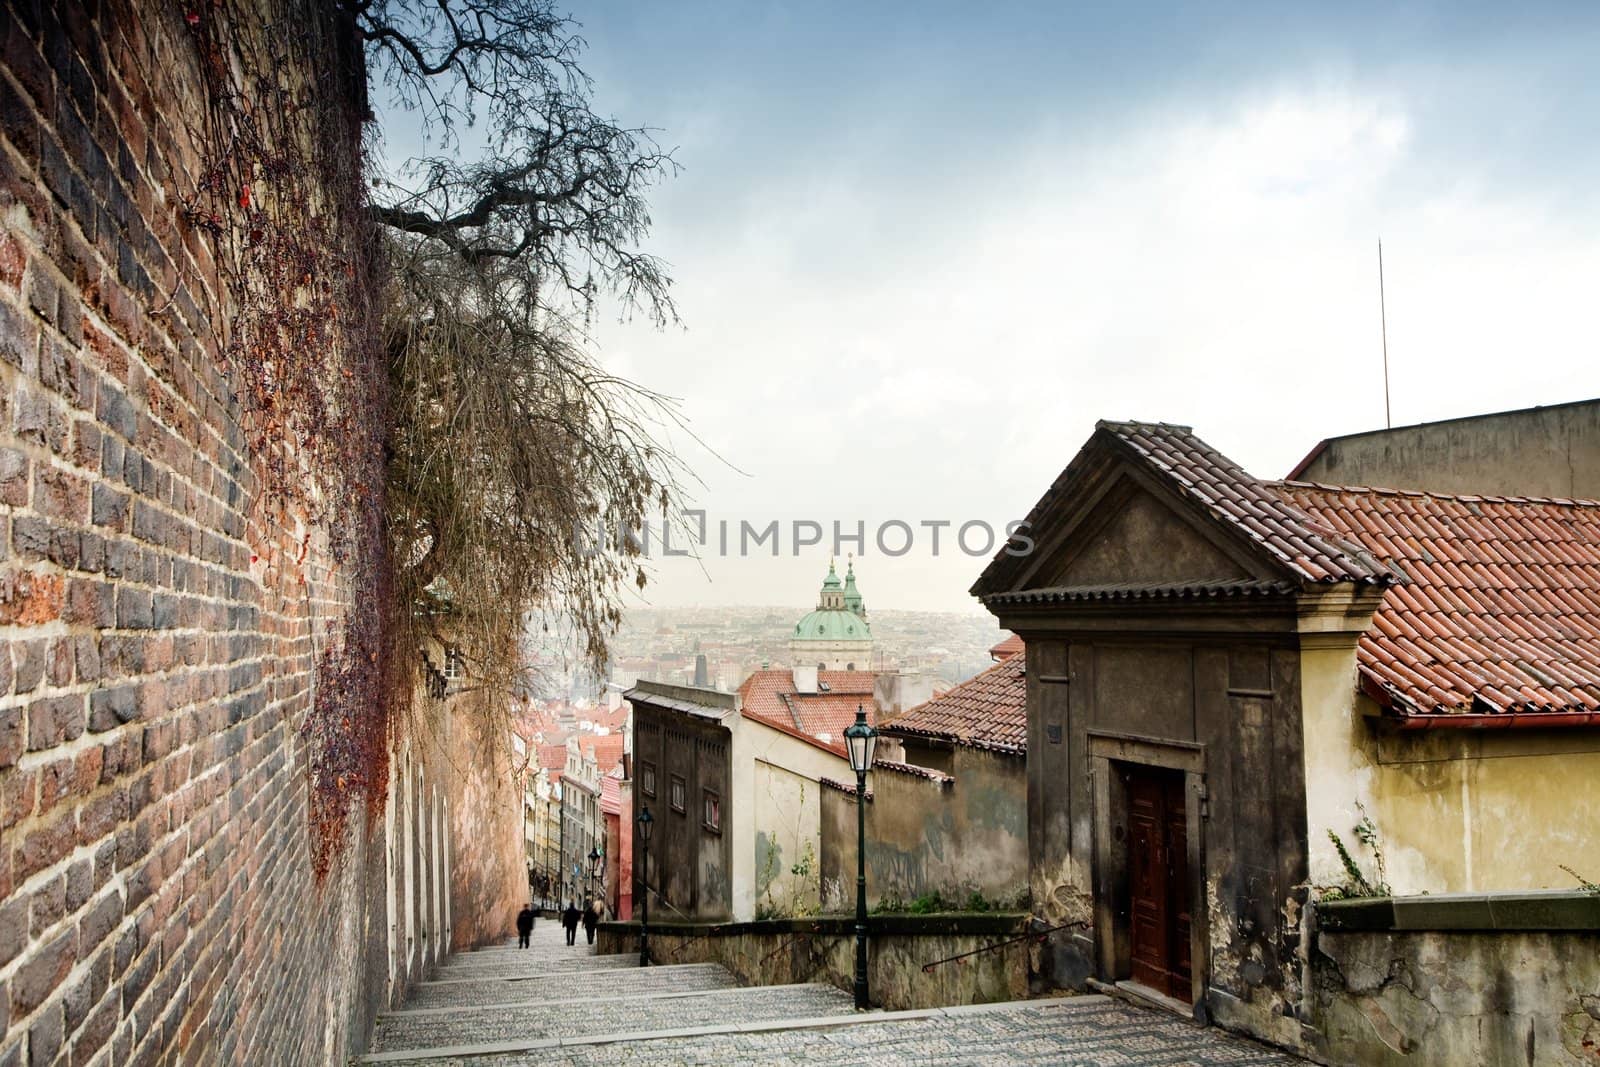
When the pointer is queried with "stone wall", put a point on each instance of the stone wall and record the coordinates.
(680, 757)
(784, 951)
(1447, 980)
(170, 602)
(954, 835)
(1547, 451)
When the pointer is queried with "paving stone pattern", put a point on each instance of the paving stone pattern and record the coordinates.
(574, 1008)
(620, 982)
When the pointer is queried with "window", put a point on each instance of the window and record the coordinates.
(647, 779)
(678, 798)
(712, 817)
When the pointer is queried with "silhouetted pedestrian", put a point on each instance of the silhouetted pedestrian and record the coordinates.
(591, 919)
(569, 919)
(524, 925)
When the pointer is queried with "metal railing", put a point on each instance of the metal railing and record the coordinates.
(1037, 936)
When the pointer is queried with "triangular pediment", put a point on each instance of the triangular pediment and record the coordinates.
(1150, 504)
(1135, 538)
(1113, 518)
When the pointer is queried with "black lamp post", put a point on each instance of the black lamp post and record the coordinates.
(594, 871)
(646, 825)
(862, 741)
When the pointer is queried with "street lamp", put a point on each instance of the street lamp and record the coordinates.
(862, 741)
(646, 825)
(594, 870)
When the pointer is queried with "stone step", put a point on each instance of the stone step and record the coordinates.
(1011, 1032)
(689, 978)
(534, 967)
(576, 1011)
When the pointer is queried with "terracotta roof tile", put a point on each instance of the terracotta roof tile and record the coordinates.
(1308, 547)
(1009, 647)
(1501, 611)
(988, 711)
(770, 695)
(606, 748)
(912, 771)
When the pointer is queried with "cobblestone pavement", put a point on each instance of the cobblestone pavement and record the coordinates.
(552, 1005)
(594, 1009)
(623, 982)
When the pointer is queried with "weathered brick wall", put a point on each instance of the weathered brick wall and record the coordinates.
(161, 619)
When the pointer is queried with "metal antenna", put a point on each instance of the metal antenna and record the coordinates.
(1383, 320)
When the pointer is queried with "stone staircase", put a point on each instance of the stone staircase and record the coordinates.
(555, 1006)
(493, 1003)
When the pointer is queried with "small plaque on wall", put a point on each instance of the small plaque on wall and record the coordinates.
(1052, 732)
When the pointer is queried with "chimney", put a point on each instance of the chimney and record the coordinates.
(805, 679)
(896, 692)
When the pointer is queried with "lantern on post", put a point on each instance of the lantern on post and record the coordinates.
(862, 742)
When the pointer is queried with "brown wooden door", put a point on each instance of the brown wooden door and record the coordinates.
(1158, 860)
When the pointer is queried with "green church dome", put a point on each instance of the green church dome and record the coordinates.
(832, 625)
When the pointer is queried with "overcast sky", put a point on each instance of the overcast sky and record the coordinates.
(921, 248)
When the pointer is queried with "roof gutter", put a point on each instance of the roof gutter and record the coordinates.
(1406, 716)
(1499, 720)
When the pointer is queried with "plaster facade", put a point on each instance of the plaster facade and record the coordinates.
(1452, 807)
(957, 832)
(1546, 451)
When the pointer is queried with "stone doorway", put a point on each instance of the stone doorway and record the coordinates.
(1150, 930)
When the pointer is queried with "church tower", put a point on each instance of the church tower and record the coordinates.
(836, 636)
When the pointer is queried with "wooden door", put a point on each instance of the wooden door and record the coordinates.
(1158, 862)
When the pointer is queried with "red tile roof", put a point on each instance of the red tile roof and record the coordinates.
(911, 770)
(1009, 647)
(553, 757)
(986, 711)
(1310, 549)
(1306, 549)
(606, 749)
(770, 695)
(611, 795)
(1501, 612)
(1491, 605)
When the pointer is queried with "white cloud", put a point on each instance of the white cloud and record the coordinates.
(871, 344)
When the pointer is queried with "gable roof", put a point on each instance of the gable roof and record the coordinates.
(606, 749)
(770, 695)
(1501, 612)
(987, 711)
(553, 758)
(610, 795)
(1298, 545)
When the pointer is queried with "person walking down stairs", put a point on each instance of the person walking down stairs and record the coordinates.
(569, 919)
(591, 919)
(524, 925)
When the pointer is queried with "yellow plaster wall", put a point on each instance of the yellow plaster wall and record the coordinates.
(776, 790)
(1457, 810)
(788, 832)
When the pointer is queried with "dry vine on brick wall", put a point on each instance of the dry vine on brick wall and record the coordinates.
(465, 435)
(282, 203)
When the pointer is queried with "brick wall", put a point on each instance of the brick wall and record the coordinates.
(161, 619)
